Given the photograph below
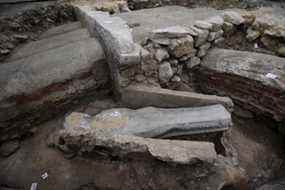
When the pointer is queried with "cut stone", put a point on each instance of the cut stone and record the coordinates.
(153, 122)
(248, 75)
(142, 96)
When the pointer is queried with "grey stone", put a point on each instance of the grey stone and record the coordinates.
(276, 31)
(165, 72)
(233, 17)
(252, 34)
(65, 28)
(228, 27)
(162, 41)
(265, 21)
(250, 65)
(172, 32)
(182, 47)
(27, 75)
(50, 43)
(203, 25)
(142, 96)
(215, 35)
(176, 79)
(193, 62)
(161, 54)
(203, 49)
(114, 33)
(202, 36)
(217, 23)
(219, 40)
(153, 122)
(278, 184)
(281, 51)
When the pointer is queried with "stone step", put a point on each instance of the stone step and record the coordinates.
(153, 122)
(49, 43)
(142, 96)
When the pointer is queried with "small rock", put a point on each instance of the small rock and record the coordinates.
(249, 18)
(203, 49)
(193, 62)
(161, 54)
(228, 27)
(176, 79)
(203, 25)
(20, 37)
(182, 46)
(202, 36)
(281, 51)
(9, 148)
(4, 51)
(77, 120)
(165, 72)
(252, 34)
(173, 62)
(217, 23)
(140, 78)
(215, 35)
(219, 41)
(233, 17)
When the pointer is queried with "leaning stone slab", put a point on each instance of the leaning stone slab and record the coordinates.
(158, 122)
(114, 33)
(255, 81)
(142, 96)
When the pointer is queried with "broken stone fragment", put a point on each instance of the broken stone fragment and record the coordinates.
(172, 32)
(252, 34)
(203, 49)
(203, 25)
(165, 72)
(161, 54)
(193, 62)
(233, 17)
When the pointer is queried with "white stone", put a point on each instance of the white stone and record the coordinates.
(165, 72)
(193, 62)
(203, 25)
(161, 54)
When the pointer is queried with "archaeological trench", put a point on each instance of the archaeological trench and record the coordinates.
(142, 95)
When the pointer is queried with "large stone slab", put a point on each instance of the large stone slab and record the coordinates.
(37, 87)
(61, 29)
(142, 96)
(254, 81)
(158, 122)
(50, 43)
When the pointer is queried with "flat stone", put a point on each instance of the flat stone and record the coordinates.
(153, 122)
(49, 43)
(251, 65)
(142, 96)
(233, 17)
(62, 29)
(276, 31)
(203, 25)
(172, 32)
(217, 23)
